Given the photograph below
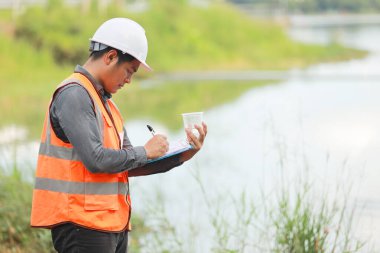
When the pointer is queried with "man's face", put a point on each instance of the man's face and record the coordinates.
(117, 75)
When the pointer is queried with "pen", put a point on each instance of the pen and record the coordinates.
(151, 130)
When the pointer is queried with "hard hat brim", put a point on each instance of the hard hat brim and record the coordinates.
(145, 66)
(143, 63)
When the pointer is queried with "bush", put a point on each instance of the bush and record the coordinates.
(16, 235)
(57, 29)
(305, 223)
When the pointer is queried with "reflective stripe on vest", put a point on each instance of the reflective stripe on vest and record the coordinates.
(80, 187)
(58, 152)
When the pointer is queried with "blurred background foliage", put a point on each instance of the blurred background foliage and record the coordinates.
(181, 36)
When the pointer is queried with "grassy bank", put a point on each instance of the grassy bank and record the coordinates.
(28, 79)
(42, 46)
(181, 36)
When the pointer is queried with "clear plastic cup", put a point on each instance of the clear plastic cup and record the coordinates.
(192, 118)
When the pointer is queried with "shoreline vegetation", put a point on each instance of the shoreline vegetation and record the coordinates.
(42, 46)
(295, 217)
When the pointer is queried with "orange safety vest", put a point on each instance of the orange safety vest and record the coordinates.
(65, 191)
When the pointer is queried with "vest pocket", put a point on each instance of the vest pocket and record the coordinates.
(101, 202)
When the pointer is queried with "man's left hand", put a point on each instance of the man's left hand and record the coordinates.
(196, 142)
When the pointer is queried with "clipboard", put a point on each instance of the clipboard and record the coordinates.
(164, 163)
(175, 148)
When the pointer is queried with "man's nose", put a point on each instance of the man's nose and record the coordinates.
(127, 79)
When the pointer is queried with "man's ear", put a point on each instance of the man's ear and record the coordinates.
(110, 56)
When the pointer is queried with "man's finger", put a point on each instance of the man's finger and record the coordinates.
(204, 128)
(193, 140)
(202, 133)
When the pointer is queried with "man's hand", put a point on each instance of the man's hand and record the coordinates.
(197, 143)
(157, 146)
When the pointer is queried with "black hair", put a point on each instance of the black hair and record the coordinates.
(120, 56)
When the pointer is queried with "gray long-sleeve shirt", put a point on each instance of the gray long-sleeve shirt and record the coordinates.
(74, 121)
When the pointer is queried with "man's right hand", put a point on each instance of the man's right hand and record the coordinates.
(157, 146)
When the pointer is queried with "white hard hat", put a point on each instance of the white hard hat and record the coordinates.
(125, 35)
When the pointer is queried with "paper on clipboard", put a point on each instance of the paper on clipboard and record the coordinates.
(174, 149)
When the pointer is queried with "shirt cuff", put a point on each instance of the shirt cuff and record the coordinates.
(140, 155)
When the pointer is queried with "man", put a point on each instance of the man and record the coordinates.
(81, 191)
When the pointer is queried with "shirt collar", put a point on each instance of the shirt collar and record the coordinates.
(97, 85)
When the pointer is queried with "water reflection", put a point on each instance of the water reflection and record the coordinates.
(15, 152)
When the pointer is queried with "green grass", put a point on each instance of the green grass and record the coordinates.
(181, 37)
(221, 37)
(16, 235)
(307, 222)
(26, 84)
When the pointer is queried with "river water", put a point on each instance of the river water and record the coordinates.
(325, 131)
